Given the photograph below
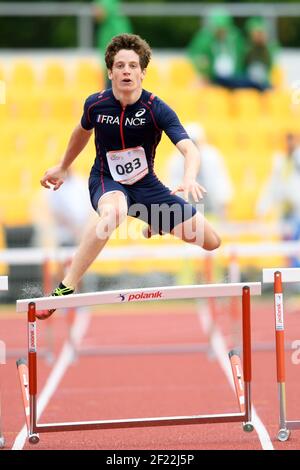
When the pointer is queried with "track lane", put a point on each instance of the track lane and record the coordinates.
(75, 391)
(145, 386)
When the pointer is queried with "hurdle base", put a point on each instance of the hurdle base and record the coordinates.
(248, 427)
(283, 434)
(293, 424)
(140, 422)
(34, 438)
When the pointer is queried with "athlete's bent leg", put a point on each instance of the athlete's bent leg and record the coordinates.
(112, 210)
(197, 231)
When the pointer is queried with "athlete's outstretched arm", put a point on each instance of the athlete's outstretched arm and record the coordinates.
(56, 175)
(191, 170)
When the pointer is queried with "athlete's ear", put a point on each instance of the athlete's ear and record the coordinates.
(143, 74)
(109, 73)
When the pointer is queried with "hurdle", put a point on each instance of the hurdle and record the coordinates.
(278, 276)
(229, 252)
(125, 296)
(3, 287)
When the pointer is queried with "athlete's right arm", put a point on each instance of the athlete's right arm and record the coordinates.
(56, 175)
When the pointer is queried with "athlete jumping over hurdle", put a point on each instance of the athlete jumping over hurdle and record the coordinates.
(127, 122)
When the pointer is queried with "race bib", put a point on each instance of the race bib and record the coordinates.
(258, 72)
(224, 66)
(127, 166)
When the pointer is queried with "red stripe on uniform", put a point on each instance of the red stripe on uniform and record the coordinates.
(94, 104)
(121, 128)
(152, 115)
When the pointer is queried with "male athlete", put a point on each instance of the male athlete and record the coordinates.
(128, 122)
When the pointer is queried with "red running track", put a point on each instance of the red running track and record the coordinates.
(112, 387)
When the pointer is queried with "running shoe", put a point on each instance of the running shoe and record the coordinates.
(60, 290)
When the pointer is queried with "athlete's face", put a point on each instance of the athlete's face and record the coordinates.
(126, 73)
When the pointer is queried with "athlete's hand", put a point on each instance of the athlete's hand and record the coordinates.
(190, 187)
(55, 176)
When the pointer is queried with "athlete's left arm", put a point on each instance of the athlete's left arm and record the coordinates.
(191, 170)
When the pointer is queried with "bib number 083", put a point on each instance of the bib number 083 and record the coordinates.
(128, 167)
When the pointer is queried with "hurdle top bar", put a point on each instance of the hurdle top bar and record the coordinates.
(287, 274)
(3, 283)
(140, 295)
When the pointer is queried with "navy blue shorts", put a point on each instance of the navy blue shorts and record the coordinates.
(147, 199)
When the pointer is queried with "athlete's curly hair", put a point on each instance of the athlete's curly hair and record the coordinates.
(131, 42)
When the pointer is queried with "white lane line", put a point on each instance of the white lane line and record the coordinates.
(219, 348)
(64, 360)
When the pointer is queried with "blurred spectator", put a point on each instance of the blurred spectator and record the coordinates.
(217, 50)
(259, 55)
(281, 191)
(223, 57)
(213, 174)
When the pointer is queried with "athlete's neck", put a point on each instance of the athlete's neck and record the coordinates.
(126, 98)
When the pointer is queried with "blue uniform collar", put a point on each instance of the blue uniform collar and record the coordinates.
(129, 106)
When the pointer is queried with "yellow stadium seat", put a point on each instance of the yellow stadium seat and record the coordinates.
(59, 106)
(185, 103)
(278, 78)
(252, 136)
(24, 106)
(2, 90)
(181, 73)
(54, 75)
(86, 159)
(279, 104)
(276, 103)
(155, 78)
(247, 104)
(13, 141)
(4, 113)
(22, 76)
(15, 208)
(214, 103)
(11, 179)
(56, 145)
(2, 74)
(222, 135)
(88, 77)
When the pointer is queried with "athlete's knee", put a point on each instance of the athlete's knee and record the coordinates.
(114, 210)
(118, 214)
(113, 215)
(121, 215)
(212, 242)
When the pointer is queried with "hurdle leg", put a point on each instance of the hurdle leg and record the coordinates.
(247, 366)
(32, 372)
(283, 433)
(23, 377)
(237, 373)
